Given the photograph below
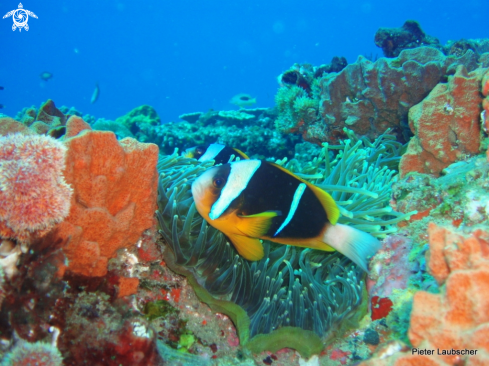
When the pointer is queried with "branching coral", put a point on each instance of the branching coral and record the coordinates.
(303, 288)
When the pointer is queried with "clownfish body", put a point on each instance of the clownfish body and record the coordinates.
(221, 154)
(251, 200)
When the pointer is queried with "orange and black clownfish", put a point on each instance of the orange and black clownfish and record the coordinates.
(217, 152)
(249, 200)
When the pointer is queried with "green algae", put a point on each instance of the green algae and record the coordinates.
(306, 342)
(158, 309)
(399, 318)
(176, 357)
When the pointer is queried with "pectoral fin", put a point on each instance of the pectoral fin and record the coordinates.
(249, 248)
(256, 225)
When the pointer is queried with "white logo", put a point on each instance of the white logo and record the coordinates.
(20, 17)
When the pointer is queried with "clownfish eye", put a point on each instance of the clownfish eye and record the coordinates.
(218, 182)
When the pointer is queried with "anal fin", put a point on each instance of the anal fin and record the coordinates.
(249, 248)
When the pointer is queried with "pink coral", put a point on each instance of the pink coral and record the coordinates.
(34, 196)
(390, 268)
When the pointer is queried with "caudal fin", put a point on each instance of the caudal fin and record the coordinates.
(353, 243)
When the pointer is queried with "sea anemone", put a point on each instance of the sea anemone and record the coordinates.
(309, 289)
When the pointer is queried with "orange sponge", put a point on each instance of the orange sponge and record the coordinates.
(115, 191)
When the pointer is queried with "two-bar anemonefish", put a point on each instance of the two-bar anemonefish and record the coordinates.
(249, 200)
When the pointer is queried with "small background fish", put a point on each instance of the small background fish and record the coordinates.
(243, 100)
(46, 75)
(95, 94)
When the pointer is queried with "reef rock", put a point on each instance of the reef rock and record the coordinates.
(446, 124)
(410, 35)
(370, 97)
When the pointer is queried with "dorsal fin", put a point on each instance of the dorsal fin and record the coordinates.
(240, 153)
(326, 200)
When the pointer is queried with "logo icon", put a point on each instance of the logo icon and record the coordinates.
(20, 17)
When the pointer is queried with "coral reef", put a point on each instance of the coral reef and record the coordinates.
(458, 197)
(107, 286)
(370, 97)
(445, 124)
(250, 130)
(140, 122)
(34, 196)
(450, 327)
(122, 340)
(394, 40)
(114, 197)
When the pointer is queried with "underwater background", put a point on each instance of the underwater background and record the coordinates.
(105, 258)
(188, 56)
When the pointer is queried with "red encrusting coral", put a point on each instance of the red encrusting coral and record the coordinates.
(381, 307)
(115, 188)
(127, 286)
(34, 196)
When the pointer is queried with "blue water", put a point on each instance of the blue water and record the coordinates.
(185, 56)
